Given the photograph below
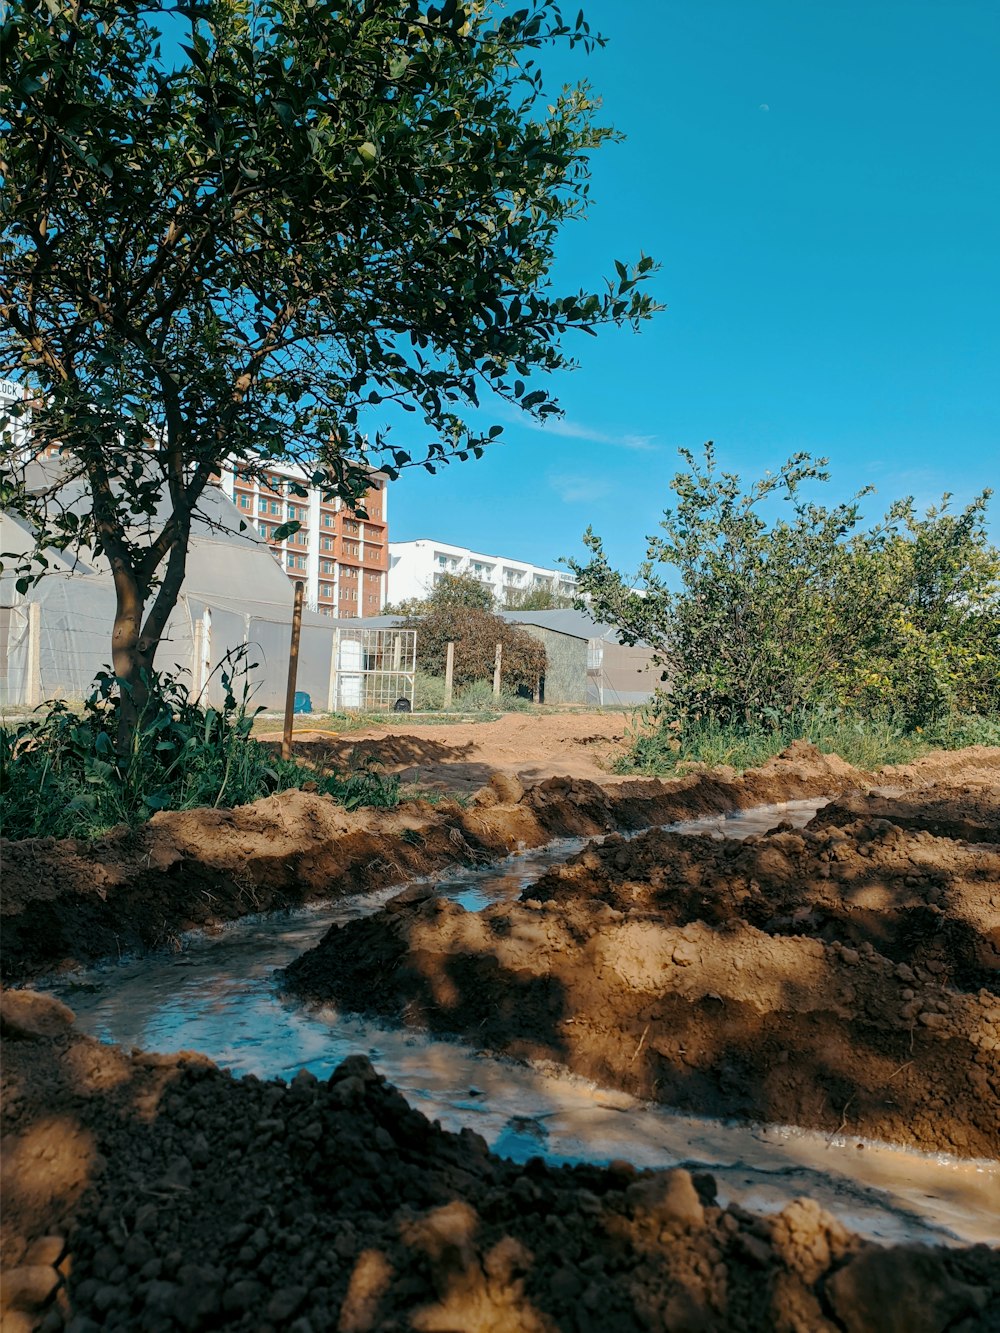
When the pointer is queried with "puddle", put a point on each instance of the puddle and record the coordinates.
(219, 996)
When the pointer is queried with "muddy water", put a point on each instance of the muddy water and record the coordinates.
(219, 995)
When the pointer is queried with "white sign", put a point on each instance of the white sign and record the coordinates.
(8, 389)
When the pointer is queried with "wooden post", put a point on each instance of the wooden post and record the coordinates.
(293, 670)
(536, 694)
(449, 674)
(497, 663)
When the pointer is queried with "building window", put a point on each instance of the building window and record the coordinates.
(329, 520)
(276, 507)
(325, 590)
(326, 566)
(326, 543)
(245, 501)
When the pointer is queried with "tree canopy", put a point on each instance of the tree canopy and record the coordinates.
(449, 590)
(264, 232)
(756, 615)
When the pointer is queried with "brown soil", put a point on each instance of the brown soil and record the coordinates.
(157, 1193)
(460, 757)
(842, 978)
(68, 902)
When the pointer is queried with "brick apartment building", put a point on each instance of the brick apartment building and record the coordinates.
(343, 559)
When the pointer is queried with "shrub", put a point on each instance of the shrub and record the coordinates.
(475, 634)
(760, 616)
(428, 692)
(60, 774)
(479, 698)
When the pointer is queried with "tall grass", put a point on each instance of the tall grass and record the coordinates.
(62, 775)
(659, 744)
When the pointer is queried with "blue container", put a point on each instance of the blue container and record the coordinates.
(303, 703)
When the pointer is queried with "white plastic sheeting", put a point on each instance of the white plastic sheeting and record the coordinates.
(55, 638)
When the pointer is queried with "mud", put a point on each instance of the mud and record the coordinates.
(68, 902)
(841, 978)
(157, 1193)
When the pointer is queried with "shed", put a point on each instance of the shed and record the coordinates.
(587, 662)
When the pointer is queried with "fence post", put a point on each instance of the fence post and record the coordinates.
(449, 674)
(197, 658)
(536, 694)
(293, 670)
(331, 698)
(33, 680)
(497, 663)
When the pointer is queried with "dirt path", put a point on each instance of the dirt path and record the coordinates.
(843, 978)
(154, 1194)
(461, 757)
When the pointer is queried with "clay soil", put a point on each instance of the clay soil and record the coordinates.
(842, 978)
(459, 757)
(157, 1193)
(67, 902)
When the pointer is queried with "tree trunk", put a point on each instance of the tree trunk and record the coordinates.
(127, 658)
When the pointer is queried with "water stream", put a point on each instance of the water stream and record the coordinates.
(218, 995)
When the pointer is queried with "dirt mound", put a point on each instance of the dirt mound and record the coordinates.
(842, 978)
(967, 812)
(157, 1194)
(68, 902)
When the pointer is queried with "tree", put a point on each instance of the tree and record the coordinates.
(475, 634)
(455, 590)
(536, 599)
(262, 241)
(755, 617)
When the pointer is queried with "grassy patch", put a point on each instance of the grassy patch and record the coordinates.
(662, 745)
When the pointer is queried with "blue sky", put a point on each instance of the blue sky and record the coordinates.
(821, 185)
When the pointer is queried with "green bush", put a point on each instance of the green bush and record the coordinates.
(428, 692)
(478, 697)
(760, 610)
(60, 774)
(475, 634)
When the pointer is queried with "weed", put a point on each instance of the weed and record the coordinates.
(61, 774)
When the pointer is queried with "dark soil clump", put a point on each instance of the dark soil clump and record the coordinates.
(158, 1194)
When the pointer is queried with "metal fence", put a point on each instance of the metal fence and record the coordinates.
(371, 670)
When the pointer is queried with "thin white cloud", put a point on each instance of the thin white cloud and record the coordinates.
(572, 489)
(577, 430)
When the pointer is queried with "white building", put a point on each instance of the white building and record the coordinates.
(15, 428)
(416, 567)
